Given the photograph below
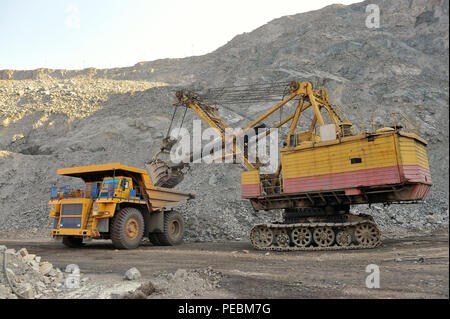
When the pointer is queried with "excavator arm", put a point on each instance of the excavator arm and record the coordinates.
(208, 113)
(168, 175)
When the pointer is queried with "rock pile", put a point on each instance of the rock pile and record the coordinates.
(144, 291)
(27, 276)
(179, 284)
(76, 97)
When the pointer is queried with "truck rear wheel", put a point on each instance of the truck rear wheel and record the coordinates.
(173, 229)
(72, 242)
(127, 228)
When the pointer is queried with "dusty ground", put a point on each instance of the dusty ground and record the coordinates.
(253, 274)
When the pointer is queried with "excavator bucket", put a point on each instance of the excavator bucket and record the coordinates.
(164, 175)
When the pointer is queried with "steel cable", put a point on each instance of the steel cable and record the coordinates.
(251, 93)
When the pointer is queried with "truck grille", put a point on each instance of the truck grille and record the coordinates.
(72, 209)
(70, 222)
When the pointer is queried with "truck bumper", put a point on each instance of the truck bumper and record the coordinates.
(71, 232)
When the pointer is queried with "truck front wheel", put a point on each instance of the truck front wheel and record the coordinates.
(173, 229)
(127, 228)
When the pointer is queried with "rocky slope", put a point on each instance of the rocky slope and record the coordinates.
(58, 118)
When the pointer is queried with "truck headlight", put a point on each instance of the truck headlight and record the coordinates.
(53, 207)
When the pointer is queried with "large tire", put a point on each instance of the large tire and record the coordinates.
(173, 229)
(72, 242)
(127, 228)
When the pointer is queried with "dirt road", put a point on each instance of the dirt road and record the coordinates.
(415, 267)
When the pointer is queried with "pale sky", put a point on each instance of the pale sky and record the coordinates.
(76, 34)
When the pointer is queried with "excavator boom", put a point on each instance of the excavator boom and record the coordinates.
(169, 175)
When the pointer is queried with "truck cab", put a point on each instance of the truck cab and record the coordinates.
(115, 202)
(121, 185)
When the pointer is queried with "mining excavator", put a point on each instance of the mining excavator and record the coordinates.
(322, 171)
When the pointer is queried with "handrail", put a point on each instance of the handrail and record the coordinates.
(86, 191)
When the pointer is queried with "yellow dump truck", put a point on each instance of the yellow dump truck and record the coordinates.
(115, 202)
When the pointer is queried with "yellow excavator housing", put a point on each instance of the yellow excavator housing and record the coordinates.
(388, 166)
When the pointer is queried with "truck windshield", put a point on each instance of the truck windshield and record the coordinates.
(110, 183)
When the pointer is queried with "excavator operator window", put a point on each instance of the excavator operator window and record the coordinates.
(124, 184)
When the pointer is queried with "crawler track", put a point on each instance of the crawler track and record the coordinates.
(359, 232)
